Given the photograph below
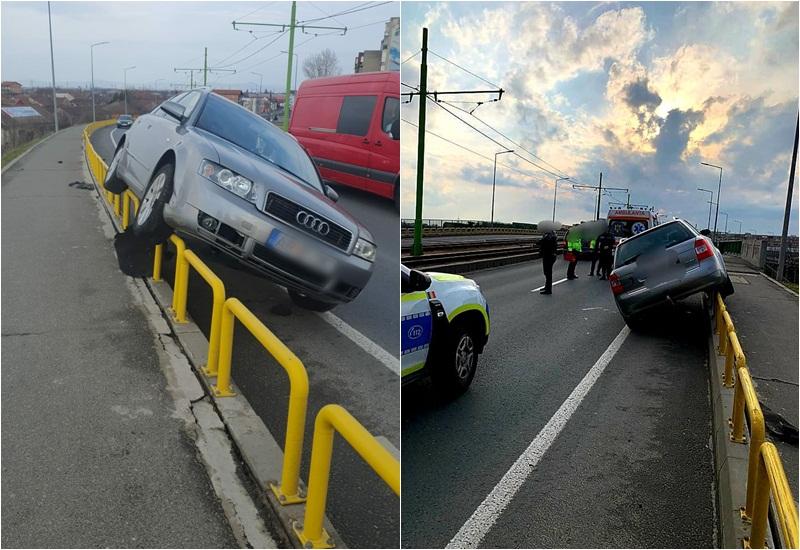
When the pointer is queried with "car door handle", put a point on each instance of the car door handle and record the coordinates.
(365, 141)
(378, 143)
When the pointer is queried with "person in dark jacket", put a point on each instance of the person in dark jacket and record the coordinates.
(548, 247)
(605, 253)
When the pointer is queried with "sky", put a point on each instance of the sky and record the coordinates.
(158, 37)
(642, 92)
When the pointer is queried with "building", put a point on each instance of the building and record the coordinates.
(368, 61)
(390, 46)
(11, 87)
(233, 95)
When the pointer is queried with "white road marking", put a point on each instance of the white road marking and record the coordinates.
(478, 525)
(384, 357)
(111, 136)
(554, 284)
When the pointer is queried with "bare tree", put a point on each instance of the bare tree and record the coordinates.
(324, 63)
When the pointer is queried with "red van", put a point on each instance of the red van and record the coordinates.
(350, 125)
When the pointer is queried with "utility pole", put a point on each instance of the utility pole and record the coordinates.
(555, 193)
(599, 188)
(91, 52)
(599, 195)
(710, 205)
(786, 214)
(125, 85)
(719, 190)
(494, 177)
(205, 69)
(52, 67)
(423, 90)
(291, 26)
(205, 66)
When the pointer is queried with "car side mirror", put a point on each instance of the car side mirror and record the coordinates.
(175, 110)
(331, 193)
(395, 131)
(419, 280)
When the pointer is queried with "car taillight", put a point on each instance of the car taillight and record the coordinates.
(702, 249)
(616, 284)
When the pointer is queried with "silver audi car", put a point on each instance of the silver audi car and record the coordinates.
(203, 166)
(666, 263)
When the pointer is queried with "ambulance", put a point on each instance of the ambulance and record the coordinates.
(627, 222)
(444, 327)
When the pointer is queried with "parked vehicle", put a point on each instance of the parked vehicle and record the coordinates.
(206, 167)
(444, 327)
(350, 125)
(124, 121)
(627, 222)
(666, 263)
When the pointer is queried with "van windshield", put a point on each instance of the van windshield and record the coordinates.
(254, 134)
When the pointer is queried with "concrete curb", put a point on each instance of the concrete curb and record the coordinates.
(792, 292)
(255, 443)
(730, 459)
(30, 149)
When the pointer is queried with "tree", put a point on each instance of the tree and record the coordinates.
(324, 63)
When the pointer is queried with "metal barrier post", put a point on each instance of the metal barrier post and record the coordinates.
(334, 417)
(287, 492)
(157, 253)
(746, 401)
(127, 198)
(771, 479)
(719, 310)
(727, 324)
(116, 204)
(734, 359)
(180, 248)
(218, 291)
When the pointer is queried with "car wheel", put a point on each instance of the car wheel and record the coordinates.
(635, 323)
(149, 220)
(455, 368)
(112, 181)
(306, 302)
(726, 288)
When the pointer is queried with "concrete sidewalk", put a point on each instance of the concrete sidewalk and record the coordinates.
(96, 450)
(766, 320)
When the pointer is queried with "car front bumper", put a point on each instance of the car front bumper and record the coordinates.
(243, 232)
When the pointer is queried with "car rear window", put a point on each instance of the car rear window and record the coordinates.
(356, 114)
(252, 133)
(662, 237)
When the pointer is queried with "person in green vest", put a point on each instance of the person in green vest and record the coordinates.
(571, 249)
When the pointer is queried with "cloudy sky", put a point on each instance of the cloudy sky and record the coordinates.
(156, 37)
(642, 92)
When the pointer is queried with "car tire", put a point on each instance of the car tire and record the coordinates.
(113, 182)
(306, 302)
(635, 323)
(149, 221)
(455, 367)
(726, 288)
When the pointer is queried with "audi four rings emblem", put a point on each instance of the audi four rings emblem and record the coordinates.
(313, 223)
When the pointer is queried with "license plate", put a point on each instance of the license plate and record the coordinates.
(299, 251)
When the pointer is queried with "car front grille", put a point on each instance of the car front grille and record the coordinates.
(287, 211)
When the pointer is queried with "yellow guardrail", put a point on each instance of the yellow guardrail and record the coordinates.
(188, 258)
(330, 419)
(765, 473)
(220, 353)
(287, 491)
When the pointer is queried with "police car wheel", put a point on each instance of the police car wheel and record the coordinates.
(456, 370)
(301, 300)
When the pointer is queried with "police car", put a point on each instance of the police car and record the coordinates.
(444, 326)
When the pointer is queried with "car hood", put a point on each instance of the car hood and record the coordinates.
(269, 178)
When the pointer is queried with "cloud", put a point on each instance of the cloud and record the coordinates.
(638, 94)
(670, 144)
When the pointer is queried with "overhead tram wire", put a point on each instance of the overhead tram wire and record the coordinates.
(282, 33)
(323, 12)
(409, 58)
(528, 174)
(463, 69)
(355, 9)
(257, 63)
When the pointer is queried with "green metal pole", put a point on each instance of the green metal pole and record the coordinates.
(423, 95)
(205, 67)
(289, 70)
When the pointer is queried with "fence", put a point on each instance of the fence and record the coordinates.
(765, 474)
(220, 352)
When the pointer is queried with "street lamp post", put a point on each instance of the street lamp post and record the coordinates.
(726, 221)
(494, 178)
(719, 190)
(91, 55)
(710, 204)
(555, 192)
(260, 82)
(125, 85)
(740, 226)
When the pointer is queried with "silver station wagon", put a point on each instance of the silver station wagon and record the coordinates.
(206, 167)
(666, 263)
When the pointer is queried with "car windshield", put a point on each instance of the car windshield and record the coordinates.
(660, 238)
(254, 134)
(125, 117)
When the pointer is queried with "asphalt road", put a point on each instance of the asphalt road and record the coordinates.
(361, 507)
(631, 466)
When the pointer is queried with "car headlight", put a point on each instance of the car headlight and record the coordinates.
(228, 179)
(365, 249)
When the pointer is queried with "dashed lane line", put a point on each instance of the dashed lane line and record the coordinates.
(478, 525)
(384, 357)
(554, 284)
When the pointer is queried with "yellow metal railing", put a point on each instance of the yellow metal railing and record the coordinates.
(127, 198)
(331, 418)
(188, 258)
(288, 491)
(763, 459)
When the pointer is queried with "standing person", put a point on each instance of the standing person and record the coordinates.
(547, 248)
(571, 249)
(605, 248)
(593, 255)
